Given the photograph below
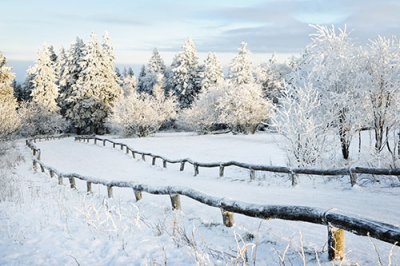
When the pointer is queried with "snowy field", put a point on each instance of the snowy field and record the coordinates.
(47, 224)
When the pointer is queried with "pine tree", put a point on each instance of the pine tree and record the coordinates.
(183, 79)
(155, 67)
(9, 121)
(129, 83)
(241, 69)
(96, 89)
(45, 90)
(141, 79)
(27, 86)
(213, 73)
(69, 74)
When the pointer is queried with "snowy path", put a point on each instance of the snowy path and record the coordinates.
(107, 163)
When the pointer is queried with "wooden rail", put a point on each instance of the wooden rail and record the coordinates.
(335, 220)
(293, 172)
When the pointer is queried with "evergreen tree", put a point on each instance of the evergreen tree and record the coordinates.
(155, 67)
(129, 83)
(183, 79)
(241, 69)
(27, 86)
(213, 73)
(69, 74)
(8, 104)
(45, 90)
(141, 79)
(96, 89)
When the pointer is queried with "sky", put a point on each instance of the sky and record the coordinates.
(138, 26)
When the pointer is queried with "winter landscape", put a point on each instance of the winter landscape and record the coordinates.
(262, 133)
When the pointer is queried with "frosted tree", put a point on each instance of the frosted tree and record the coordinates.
(69, 74)
(27, 86)
(140, 114)
(383, 87)
(240, 107)
(61, 64)
(332, 64)
(241, 69)
(141, 80)
(298, 120)
(213, 73)
(95, 91)
(129, 83)
(183, 79)
(155, 67)
(9, 121)
(45, 90)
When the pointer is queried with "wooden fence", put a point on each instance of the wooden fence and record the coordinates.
(335, 220)
(293, 172)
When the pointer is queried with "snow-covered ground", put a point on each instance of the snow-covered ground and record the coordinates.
(44, 223)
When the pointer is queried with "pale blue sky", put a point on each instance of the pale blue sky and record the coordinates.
(136, 27)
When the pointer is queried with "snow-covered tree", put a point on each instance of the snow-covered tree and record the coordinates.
(96, 90)
(37, 120)
(383, 87)
(155, 67)
(183, 79)
(141, 81)
(141, 114)
(332, 64)
(69, 74)
(241, 68)
(213, 73)
(9, 121)
(27, 86)
(297, 119)
(45, 90)
(240, 107)
(129, 82)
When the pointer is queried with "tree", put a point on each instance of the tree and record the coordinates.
(141, 81)
(332, 64)
(96, 90)
(155, 67)
(298, 120)
(213, 73)
(240, 107)
(28, 86)
(141, 114)
(183, 79)
(9, 121)
(129, 82)
(45, 90)
(69, 73)
(241, 69)
(383, 87)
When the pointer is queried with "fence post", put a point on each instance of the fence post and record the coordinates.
(164, 163)
(95, 141)
(51, 173)
(122, 146)
(227, 218)
(175, 202)
(293, 177)
(114, 145)
(41, 168)
(89, 187)
(221, 171)
(353, 177)
(127, 149)
(182, 166)
(138, 195)
(335, 243)
(110, 191)
(38, 154)
(153, 161)
(72, 182)
(196, 169)
(252, 174)
(104, 142)
(133, 154)
(143, 158)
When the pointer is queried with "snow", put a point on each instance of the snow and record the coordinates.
(51, 224)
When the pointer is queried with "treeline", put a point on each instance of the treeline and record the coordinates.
(335, 88)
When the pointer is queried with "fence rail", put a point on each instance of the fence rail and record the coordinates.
(293, 172)
(335, 220)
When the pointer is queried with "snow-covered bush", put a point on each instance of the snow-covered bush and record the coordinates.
(240, 107)
(141, 114)
(37, 120)
(9, 121)
(298, 120)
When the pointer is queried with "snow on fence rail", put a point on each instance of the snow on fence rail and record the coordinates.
(336, 221)
(293, 172)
